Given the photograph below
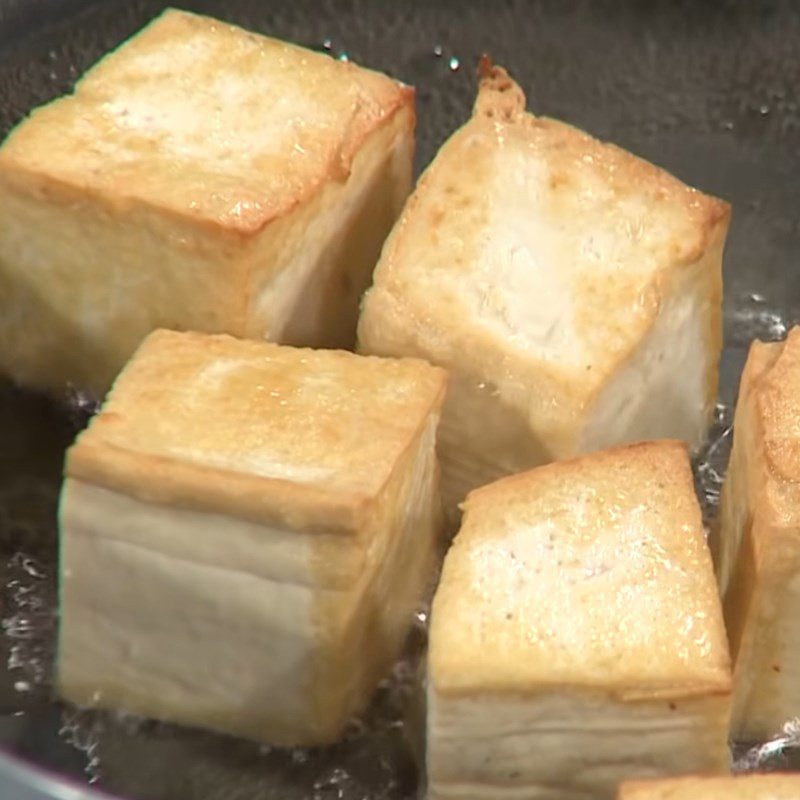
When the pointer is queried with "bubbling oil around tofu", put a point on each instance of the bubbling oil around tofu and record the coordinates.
(379, 754)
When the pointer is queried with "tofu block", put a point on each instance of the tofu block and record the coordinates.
(577, 636)
(246, 529)
(758, 542)
(202, 178)
(572, 290)
(774, 786)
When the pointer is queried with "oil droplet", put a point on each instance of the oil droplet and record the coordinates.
(343, 56)
(299, 756)
(454, 64)
(32, 568)
(333, 784)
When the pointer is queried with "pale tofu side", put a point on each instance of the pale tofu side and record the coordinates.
(182, 638)
(256, 206)
(261, 648)
(577, 635)
(309, 269)
(744, 482)
(198, 587)
(562, 282)
(644, 400)
(361, 636)
(758, 541)
(776, 786)
(563, 745)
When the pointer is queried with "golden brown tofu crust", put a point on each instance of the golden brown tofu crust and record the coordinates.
(172, 432)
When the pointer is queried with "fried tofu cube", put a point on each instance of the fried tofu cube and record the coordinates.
(200, 177)
(246, 529)
(758, 541)
(577, 635)
(572, 290)
(739, 787)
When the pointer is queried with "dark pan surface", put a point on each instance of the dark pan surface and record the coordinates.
(708, 90)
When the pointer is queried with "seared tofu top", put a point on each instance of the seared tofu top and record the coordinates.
(206, 121)
(305, 437)
(591, 574)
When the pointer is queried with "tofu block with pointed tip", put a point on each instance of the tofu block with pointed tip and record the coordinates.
(758, 541)
(246, 530)
(577, 637)
(775, 786)
(572, 290)
(200, 177)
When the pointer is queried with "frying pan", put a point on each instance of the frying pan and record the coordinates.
(708, 90)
